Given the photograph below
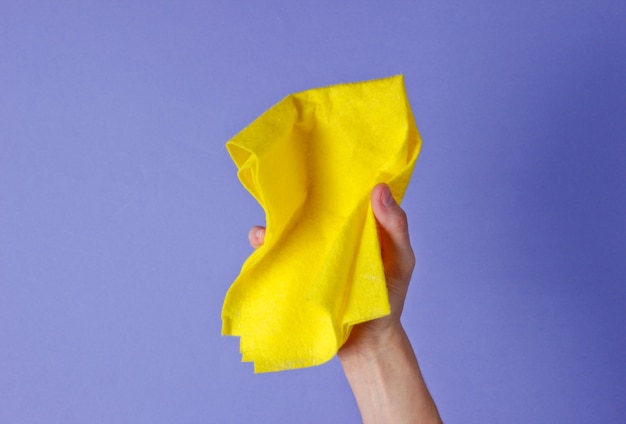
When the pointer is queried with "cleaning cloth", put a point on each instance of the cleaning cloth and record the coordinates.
(311, 162)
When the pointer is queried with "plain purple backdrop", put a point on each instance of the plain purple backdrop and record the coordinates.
(122, 222)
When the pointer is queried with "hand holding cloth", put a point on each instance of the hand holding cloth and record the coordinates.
(311, 162)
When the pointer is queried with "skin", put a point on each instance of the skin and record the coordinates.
(377, 358)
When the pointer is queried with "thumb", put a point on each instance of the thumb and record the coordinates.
(393, 232)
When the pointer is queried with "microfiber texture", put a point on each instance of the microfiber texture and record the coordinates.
(311, 162)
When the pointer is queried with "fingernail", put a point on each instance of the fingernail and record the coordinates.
(386, 197)
(259, 233)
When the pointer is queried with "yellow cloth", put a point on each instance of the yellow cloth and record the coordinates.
(311, 162)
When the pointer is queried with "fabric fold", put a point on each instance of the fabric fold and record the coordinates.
(311, 162)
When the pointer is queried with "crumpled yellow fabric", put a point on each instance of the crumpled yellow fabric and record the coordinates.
(311, 162)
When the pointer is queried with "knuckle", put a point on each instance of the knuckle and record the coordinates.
(410, 261)
(400, 222)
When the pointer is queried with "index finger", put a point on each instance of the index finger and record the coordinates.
(256, 236)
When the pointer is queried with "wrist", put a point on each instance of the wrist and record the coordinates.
(384, 375)
(367, 343)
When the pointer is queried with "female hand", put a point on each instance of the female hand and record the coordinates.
(398, 262)
(378, 358)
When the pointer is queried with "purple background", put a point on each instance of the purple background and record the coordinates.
(122, 222)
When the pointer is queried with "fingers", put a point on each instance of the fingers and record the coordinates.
(256, 236)
(393, 229)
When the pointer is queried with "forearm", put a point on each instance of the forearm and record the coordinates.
(387, 382)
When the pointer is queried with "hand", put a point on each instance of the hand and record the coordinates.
(398, 262)
(378, 358)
